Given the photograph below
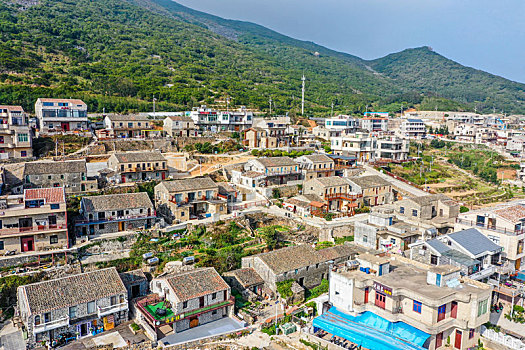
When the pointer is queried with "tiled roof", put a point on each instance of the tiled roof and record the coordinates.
(318, 158)
(120, 201)
(370, 181)
(50, 195)
(12, 108)
(252, 174)
(337, 252)
(51, 167)
(331, 181)
(298, 202)
(133, 276)
(180, 118)
(193, 184)
(196, 283)
(74, 101)
(291, 258)
(128, 117)
(247, 277)
(474, 241)
(135, 157)
(430, 198)
(276, 161)
(73, 290)
(513, 213)
(438, 246)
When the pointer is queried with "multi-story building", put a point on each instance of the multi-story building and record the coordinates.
(114, 213)
(207, 119)
(34, 221)
(71, 175)
(127, 126)
(466, 133)
(268, 133)
(504, 225)
(61, 115)
(385, 232)
(138, 166)
(379, 302)
(302, 263)
(189, 299)
(15, 134)
(179, 126)
(273, 170)
(476, 255)
(316, 165)
(373, 188)
(335, 193)
(83, 305)
(342, 124)
(392, 148)
(186, 199)
(412, 129)
(360, 145)
(374, 124)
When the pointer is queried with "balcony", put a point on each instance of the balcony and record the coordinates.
(345, 196)
(494, 228)
(33, 229)
(108, 310)
(486, 272)
(44, 327)
(114, 219)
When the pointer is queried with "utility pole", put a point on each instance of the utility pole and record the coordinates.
(302, 100)
(332, 109)
(154, 99)
(270, 106)
(227, 103)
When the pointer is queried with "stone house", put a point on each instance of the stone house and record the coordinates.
(374, 189)
(316, 165)
(138, 166)
(34, 221)
(469, 249)
(127, 126)
(114, 213)
(186, 199)
(302, 263)
(275, 170)
(71, 175)
(191, 299)
(437, 209)
(246, 281)
(82, 304)
(179, 126)
(335, 192)
(136, 283)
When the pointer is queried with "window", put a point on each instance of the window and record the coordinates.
(417, 307)
(414, 212)
(23, 154)
(482, 307)
(214, 296)
(1, 245)
(442, 312)
(113, 300)
(433, 259)
(55, 206)
(365, 238)
(402, 210)
(393, 240)
(53, 239)
(471, 333)
(37, 320)
(184, 304)
(72, 312)
(91, 307)
(100, 226)
(23, 138)
(214, 312)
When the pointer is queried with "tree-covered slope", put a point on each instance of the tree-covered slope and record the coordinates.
(423, 70)
(117, 54)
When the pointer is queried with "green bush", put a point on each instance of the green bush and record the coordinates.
(284, 288)
(463, 209)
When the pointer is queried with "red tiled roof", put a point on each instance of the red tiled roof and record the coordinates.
(50, 195)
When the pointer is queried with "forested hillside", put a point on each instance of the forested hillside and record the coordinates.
(117, 54)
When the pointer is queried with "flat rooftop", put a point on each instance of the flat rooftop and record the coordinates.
(223, 326)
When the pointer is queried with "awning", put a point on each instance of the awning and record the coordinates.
(317, 204)
(371, 331)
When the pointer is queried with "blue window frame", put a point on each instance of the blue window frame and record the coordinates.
(417, 307)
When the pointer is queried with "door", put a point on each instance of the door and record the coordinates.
(65, 126)
(367, 292)
(28, 244)
(123, 179)
(163, 174)
(380, 300)
(457, 342)
(82, 187)
(454, 309)
(121, 225)
(439, 340)
(201, 302)
(194, 322)
(83, 329)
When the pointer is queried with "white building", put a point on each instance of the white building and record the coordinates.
(412, 128)
(61, 115)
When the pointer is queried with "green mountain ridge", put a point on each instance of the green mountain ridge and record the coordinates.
(118, 54)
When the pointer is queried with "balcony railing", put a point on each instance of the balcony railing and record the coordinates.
(494, 228)
(115, 218)
(486, 272)
(108, 310)
(44, 327)
(346, 196)
(33, 229)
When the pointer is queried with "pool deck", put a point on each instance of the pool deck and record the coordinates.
(222, 326)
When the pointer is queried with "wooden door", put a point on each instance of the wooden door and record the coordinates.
(367, 292)
(457, 342)
(28, 244)
(380, 300)
(454, 309)
(439, 340)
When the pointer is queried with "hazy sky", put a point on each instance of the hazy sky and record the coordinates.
(484, 34)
